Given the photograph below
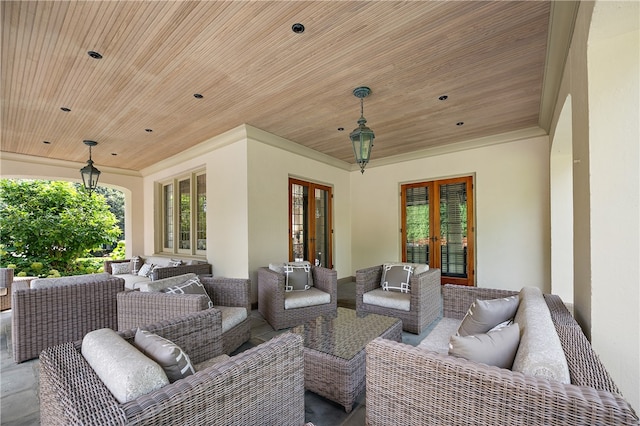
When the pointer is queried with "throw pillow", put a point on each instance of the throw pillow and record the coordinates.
(145, 270)
(297, 277)
(121, 268)
(496, 348)
(191, 286)
(483, 315)
(175, 262)
(124, 370)
(173, 360)
(396, 277)
(136, 262)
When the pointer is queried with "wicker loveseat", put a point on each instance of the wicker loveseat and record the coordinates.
(50, 311)
(440, 389)
(227, 294)
(263, 385)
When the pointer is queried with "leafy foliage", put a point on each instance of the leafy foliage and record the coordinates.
(46, 225)
(118, 253)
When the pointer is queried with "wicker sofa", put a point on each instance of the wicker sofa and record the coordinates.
(162, 269)
(263, 385)
(50, 311)
(444, 390)
(424, 298)
(136, 307)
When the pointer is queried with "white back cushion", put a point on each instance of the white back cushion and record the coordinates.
(124, 370)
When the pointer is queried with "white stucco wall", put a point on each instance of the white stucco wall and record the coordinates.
(511, 205)
(561, 176)
(269, 169)
(601, 77)
(614, 133)
(224, 158)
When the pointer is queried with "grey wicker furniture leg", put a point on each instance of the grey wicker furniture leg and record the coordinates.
(334, 355)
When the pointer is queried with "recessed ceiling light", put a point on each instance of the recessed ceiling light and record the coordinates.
(443, 98)
(297, 28)
(46, 142)
(65, 109)
(341, 129)
(459, 123)
(148, 130)
(198, 96)
(94, 54)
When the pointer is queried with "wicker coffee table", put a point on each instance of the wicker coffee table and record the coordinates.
(334, 356)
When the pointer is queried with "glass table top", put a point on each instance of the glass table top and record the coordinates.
(345, 334)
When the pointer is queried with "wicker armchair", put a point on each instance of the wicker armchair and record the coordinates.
(443, 390)
(271, 297)
(136, 308)
(425, 298)
(74, 306)
(263, 385)
(6, 279)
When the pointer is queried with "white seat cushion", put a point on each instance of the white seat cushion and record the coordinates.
(231, 316)
(388, 299)
(211, 362)
(302, 299)
(438, 339)
(133, 282)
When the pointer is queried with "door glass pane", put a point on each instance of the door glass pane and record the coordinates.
(184, 196)
(322, 228)
(417, 226)
(299, 220)
(168, 216)
(201, 215)
(453, 229)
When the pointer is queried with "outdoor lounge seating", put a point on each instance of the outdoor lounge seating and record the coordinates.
(284, 309)
(231, 296)
(417, 308)
(263, 385)
(158, 268)
(441, 389)
(50, 311)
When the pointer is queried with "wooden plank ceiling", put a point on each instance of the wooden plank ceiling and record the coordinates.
(250, 67)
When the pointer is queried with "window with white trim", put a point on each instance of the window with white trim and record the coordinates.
(184, 214)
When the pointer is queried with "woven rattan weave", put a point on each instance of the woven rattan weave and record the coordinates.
(334, 356)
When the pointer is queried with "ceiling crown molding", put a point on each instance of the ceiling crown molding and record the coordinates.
(561, 24)
(44, 161)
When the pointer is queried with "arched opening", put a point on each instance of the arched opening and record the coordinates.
(561, 179)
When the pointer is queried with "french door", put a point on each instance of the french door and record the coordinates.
(310, 223)
(437, 227)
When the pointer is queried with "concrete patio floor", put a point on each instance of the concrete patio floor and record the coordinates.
(19, 382)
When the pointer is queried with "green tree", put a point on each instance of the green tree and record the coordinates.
(115, 201)
(51, 223)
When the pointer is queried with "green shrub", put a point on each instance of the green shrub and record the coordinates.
(118, 253)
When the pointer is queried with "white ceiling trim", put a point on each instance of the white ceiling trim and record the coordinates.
(529, 133)
(44, 161)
